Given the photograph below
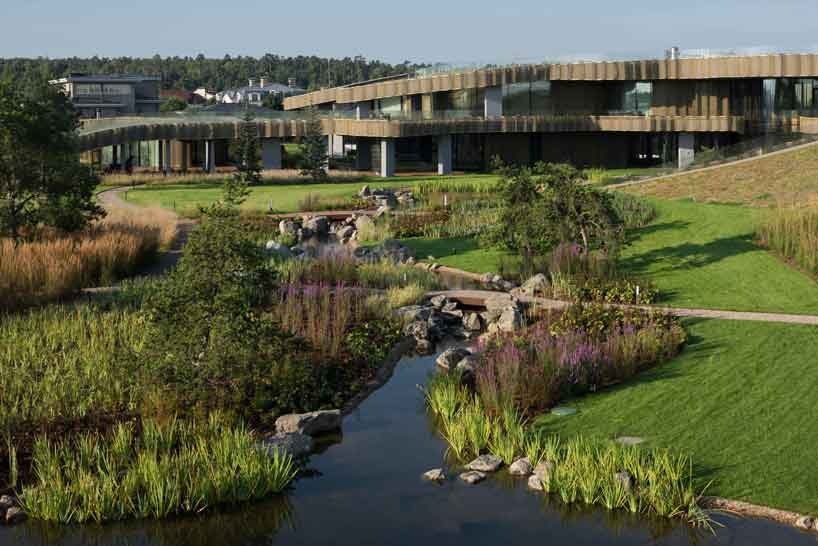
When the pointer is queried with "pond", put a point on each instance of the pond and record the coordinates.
(366, 489)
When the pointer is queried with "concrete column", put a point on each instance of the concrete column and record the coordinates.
(363, 155)
(444, 154)
(210, 156)
(271, 153)
(362, 110)
(335, 145)
(115, 154)
(493, 102)
(387, 158)
(185, 159)
(687, 151)
(166, 164)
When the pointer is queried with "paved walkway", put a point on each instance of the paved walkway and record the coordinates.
(711, 168)
(479, 297)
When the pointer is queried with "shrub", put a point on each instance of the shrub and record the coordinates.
(581, 349)
(164, 470)
(415, 223)
(792, 234)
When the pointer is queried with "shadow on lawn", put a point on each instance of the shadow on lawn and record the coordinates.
(689, 255)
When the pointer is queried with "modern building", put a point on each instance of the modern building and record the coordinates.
(256, 90)
(111, 95)
(607, 113)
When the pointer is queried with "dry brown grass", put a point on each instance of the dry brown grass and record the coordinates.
(54, 266)
(784, 180)
(279, 176)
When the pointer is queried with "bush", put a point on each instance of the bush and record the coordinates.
(581, 349)
(792, 234)
(165, 469)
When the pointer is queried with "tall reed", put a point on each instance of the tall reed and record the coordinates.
(170, 468)
(793, 234)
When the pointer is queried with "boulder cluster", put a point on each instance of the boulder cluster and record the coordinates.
(390, 249)
(385, 200)
(295, 432)
(440, 318)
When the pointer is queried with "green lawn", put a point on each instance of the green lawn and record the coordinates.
(740, 399)
(702, 255)
(460, 252)
(284, 197)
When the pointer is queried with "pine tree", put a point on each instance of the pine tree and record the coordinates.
(236, 188)
(315, 160)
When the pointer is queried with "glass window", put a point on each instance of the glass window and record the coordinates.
(517, 99)
(541, 103)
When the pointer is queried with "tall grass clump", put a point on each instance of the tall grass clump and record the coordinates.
(425, 188)
(793, 234)
(617, 477)
(50, 265)
(69, 363)
(166, 469)
(582, 349)
(634, 211)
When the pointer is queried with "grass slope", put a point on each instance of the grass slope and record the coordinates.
(460, 252)
(284, 197)
(703, 255)
(784, 179)
(740, 399)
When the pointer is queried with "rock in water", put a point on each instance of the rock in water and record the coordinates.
(485, 463)
(14, 515)
(520, 467)
(296, 444)
(280, 250)
(472, 323)
(449, 358)
(312, 424)
(535, 483)
(318, 225)
(625, 479)
(434, 475)
(472, 477)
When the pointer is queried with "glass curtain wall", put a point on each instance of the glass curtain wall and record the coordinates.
(631, 98)
(528, 99)
(782, 96)
(461, 103)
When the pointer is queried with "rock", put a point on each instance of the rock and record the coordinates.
(454, 313)
(535, 483)
(412, 313)
(472, 322)
(304, 234)
(418, 330)
(806, 523)
(296, 444)
(439, 301)
(364, 192)
(312, 423)
(7, 501)
(434, 475)
(437, 326)
(318, 224)
(280, 250)
(363, 223)
(625, 479)
(510, 320)
(381, 211)
(449, 307)
(496, 279)
(14, 515)
(508, 286)
(287, 227)
(544, 471)
(630, 440)
(520, 467)
(345, 232)
(485, 463)
(486, 278)
(472, 477)
(467, 365)
(449, 358)
(424, 347)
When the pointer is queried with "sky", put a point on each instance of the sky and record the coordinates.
(455, 31)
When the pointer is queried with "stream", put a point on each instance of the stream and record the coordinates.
(365, 489)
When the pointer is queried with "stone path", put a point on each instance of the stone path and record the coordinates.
(479, 297)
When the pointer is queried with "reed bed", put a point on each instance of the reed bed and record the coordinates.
(68, 363)
(456, 185)
(53, 266)
(580, 471)
(634, 212)
(793, 234)
(167, 469)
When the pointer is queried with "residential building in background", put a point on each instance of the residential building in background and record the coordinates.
(256, 90)
(111, 95)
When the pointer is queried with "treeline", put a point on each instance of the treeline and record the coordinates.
(193, 72)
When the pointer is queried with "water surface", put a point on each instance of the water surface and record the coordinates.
(366, 490)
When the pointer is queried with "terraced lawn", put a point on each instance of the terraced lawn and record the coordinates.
(740, 399)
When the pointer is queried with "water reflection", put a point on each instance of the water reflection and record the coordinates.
(367, 490)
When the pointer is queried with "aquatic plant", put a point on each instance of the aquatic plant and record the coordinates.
(167, 469)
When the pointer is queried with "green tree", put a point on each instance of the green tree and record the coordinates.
(314, 160)
(273, 101)
(547, 204)
(172, 104)
(42, 181)
(245, 149)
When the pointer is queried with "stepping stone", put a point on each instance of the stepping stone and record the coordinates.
(520, 467)
(434, 475)
(630, 440)
(562, 411)
(485, 463)
(472, 477)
